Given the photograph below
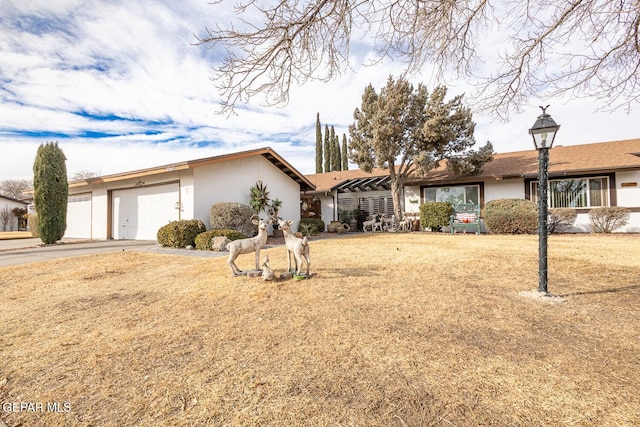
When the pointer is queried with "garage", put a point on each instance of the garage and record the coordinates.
(138, 213)
(79, 216)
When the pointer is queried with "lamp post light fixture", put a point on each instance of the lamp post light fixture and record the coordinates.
(543, 132)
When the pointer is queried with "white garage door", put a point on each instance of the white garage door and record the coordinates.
(79, 216)
(138, 213)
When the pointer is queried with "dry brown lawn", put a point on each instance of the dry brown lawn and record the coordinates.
(12, 235)
(392, 330)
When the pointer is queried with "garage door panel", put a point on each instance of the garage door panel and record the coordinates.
(79, 216)
(138, 213)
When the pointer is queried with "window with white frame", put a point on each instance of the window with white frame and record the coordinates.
(575, 192)
(454, 195)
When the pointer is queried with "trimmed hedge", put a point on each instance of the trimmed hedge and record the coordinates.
(203, 240)
(180, 234)
(511, 216)
(313, 225)
(232, 216)
(435, 215)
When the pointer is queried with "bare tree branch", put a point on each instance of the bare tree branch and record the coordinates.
(582, 48)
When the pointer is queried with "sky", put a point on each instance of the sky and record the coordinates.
(121, 86)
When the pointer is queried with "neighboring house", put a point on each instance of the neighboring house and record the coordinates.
(581, 177)
(134, 205)
(8, 221)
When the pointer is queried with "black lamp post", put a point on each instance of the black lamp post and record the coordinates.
(543, 132)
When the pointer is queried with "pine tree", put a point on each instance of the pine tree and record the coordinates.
(327, 150)
(409, 130)
(345, 155)
(318, 145)
(50, 192)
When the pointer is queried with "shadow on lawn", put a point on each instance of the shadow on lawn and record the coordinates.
(602, 291)
(349, 272)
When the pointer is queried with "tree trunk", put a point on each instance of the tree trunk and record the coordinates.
(397, 182)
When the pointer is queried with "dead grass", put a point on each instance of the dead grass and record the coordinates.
(392, 330)
(11, 235)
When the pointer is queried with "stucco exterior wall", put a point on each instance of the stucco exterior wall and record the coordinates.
(230, 182)
(504, 189)
(327, 208)
(628, 195)
(412, 200)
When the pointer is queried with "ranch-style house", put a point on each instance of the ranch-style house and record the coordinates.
(134, 205)
(581, 177)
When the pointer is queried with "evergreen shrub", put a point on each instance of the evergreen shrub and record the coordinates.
(203, 240)
(232, 216)
(180, 234)
(435, 215)
(608, 219)
(313, 225)
(50, 191)
(511, 216)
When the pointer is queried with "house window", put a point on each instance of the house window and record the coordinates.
(454, 195)
(575, 193)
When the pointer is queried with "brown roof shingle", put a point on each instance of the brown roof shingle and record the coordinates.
(574, 159)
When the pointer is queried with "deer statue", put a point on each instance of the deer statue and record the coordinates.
(267, 273)
(297, 246)
(246, 246)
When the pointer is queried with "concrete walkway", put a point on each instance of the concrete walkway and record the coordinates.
(24, 251)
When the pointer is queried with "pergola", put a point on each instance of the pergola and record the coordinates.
(378, 183)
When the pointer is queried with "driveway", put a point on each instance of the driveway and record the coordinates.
(24, 251)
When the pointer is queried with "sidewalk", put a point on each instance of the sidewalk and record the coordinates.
(24, 251)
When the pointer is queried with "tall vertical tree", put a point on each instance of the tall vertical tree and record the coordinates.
(338, 153)
(327, 149)
(345, 153)
(334, 150)
(318, 145)
(408, 130)
(50, 192)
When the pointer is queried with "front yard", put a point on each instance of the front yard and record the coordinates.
(393, 329)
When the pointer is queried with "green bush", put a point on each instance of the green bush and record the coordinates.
(435, 215)
(560, 219)
(50, 191)
(311, 225)
(511, 216)
(232, 216)
(203, 240)
(180, 234)
(608, 219)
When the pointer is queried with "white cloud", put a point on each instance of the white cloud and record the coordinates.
(71, 68)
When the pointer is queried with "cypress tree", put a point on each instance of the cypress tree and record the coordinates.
(332, 138)
(345, 155)
(338, 154)
(327, 150)
(318, 145)
(50, 192)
